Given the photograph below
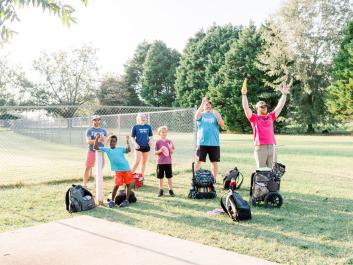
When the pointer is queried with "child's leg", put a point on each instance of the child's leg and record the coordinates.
(144, 162)
(161, 184)
(138, 155)
(128, 191)
(115, 190)
(170, 185)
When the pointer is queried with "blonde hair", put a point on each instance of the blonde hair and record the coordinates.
(162, 128)
(139, 116)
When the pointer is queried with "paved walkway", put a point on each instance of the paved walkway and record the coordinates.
(88, 240)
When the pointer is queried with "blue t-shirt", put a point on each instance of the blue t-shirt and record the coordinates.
(91, 135)
(118, 161)
(208, 130)
(142, 134)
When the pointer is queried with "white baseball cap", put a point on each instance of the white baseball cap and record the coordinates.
(95, 117)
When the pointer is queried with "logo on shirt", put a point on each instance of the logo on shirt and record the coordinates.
(208, 120)
(143, 130)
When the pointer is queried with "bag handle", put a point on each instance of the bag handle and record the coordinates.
(67, 200)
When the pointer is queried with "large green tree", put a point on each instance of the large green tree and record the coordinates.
(202, 58)
(8, 13)
(340, 93)
(312, 31)
(113, 91)
(66, 78)
(239, 64)
(133, 69)
(159, 75)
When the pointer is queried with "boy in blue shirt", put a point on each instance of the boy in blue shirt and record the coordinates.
(120, 165)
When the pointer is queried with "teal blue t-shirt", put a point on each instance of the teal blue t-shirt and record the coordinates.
(118, 161)
(208, 130)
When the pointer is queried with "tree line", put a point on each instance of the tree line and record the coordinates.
(307, 44)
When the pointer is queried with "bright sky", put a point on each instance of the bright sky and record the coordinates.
(116, 27)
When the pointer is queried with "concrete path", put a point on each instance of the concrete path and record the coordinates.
(88, 240)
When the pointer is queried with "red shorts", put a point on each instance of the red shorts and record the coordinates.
(123, 177)
(90, 158)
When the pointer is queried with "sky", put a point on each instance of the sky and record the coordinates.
(116, 27)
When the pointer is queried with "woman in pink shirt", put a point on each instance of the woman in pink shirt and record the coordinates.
(262, 125)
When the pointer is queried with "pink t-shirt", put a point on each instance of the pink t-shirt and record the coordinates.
(263, 128)
(161, 158)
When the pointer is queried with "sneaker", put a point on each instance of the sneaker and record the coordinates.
(160, 194)
(125, 203)
(111, 204)
(171, 193)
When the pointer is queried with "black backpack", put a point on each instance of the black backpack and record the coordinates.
(78, 199)
(202, 186)
(233, 176)
(122, 196)
(235, 206)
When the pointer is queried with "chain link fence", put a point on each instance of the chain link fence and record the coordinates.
(44, 144)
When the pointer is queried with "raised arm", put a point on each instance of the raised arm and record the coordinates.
(200, 109)
(219, 118)
(244, 100)
(282, 100)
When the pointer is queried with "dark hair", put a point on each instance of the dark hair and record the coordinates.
(114, 137)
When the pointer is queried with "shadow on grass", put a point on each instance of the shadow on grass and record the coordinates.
(306, 222)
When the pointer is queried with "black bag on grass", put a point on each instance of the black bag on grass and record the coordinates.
(202, 185)
(234, 178)
(122, 196)
(78, 199)
(235, 206)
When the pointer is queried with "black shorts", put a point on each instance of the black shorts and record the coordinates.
(144, 149)
(164, 170)
(213, 152)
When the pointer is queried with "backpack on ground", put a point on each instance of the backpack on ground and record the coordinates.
(233, 179)
(122, 197)
(235, 206)
(78, 199)
(202, 185)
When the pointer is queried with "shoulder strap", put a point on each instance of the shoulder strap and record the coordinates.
(241, 177)
(223, 206)
(67, 202)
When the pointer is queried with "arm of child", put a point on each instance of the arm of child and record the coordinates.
(157, 151)
(171, 147)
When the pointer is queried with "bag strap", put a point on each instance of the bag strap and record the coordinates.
(241, 181)
(67, 202)
(225, 208)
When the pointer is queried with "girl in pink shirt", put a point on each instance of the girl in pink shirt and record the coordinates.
(164, 149)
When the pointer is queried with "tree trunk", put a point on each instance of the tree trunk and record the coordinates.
(310, 129)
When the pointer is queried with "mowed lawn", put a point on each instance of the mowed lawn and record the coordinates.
(314, 225)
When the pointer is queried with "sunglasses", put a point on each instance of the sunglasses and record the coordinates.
(263, 107)
(97, 119)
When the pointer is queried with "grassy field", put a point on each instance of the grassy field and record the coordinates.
(314, 226)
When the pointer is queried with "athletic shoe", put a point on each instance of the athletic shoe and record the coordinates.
(125, 203)
(171, 193)
(111, 204)
(160, 194)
